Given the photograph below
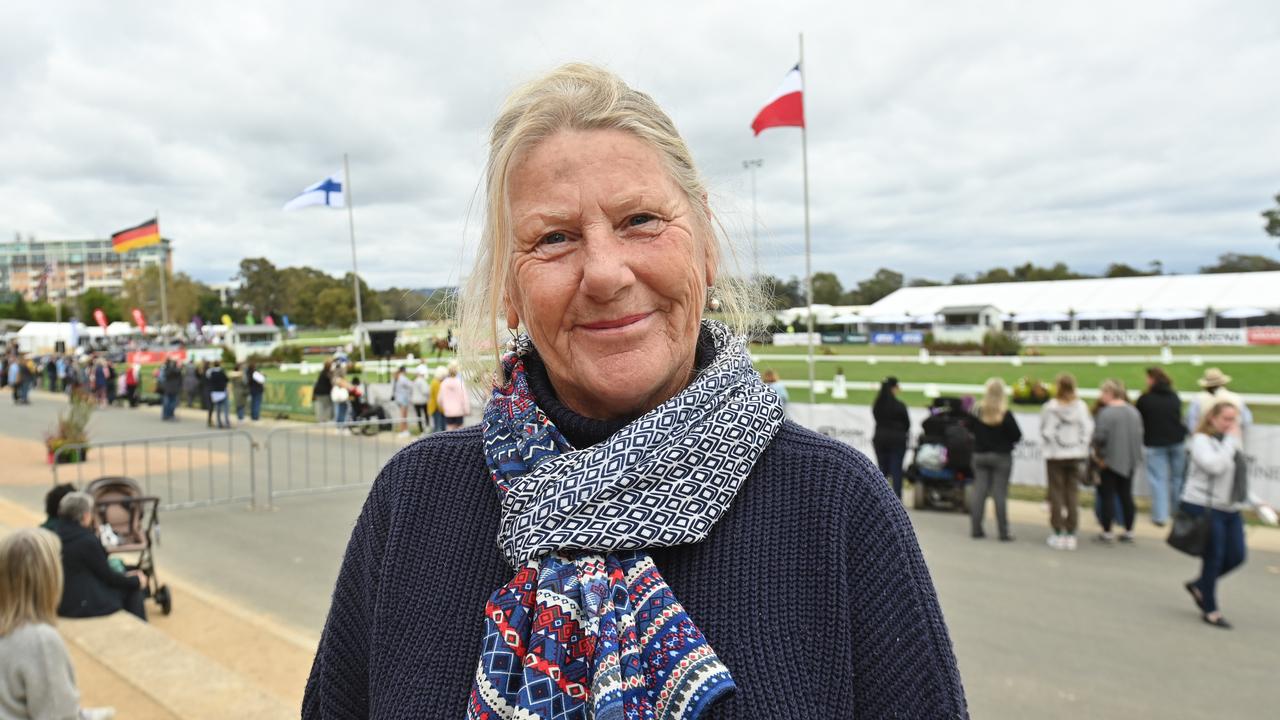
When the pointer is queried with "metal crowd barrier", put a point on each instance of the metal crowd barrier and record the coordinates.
(197, 470)
(323, 457)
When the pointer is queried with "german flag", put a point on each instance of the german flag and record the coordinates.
(138, 236)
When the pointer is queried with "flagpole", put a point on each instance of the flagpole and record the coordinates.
(808, 270)
(164, 301)
(355, 270)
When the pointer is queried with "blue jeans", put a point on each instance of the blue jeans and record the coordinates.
(889, 457)
(1166, 469)
(1223, 551)
(222, 413)
(168, 406)
(437, 421)
(340, 410)
(255, 405)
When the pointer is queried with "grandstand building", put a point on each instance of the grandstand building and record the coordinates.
(61, 269)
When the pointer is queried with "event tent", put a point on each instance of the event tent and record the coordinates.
(1156, 297)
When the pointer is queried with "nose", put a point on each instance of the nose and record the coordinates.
(606, 270)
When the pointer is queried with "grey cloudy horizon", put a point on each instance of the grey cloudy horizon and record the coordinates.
(944, 138)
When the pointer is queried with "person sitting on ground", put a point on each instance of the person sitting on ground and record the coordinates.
(92, 588)
(51, 500)
(36, 677)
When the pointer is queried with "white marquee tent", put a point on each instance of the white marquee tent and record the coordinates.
(1158, 297)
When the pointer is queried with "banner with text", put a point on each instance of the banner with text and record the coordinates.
(1226, 337)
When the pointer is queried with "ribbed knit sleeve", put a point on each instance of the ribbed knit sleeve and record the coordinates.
(903, 662)
(338, 687)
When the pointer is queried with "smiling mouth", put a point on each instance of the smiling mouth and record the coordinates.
(615, 323)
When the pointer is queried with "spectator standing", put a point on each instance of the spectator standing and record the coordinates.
(255, 381)
(1065, 430)
(1163, 436)
(1213, 388)
(239, 390)
(36, 676)
(321, 400)
(190, 384)
(421, 396)
(171, 380)
(402, 394)
(217, 383)
(1117, 450)
(453, 399)
(994, 436)
(340, 396)
(433, 403)
(1217, 484)
(131, 378)
(771, 378)
(893, 427)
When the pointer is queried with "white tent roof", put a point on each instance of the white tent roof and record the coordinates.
(1096, 296)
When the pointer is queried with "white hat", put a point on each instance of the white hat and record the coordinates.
(1213, 377)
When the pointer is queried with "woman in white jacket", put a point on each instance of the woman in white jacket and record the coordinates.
(1065, 430)
(1211, 487)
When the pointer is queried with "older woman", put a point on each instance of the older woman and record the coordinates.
(93, 587)
(666, 544)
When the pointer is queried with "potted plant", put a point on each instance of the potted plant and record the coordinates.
(72, 428)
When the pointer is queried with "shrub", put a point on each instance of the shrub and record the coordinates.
(998, 342)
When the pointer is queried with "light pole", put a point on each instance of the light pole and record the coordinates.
(755, 218)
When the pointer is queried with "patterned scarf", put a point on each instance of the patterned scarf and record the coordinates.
(588, 628)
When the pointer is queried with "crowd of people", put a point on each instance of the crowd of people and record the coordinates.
(92, 373)
(1193, 465)
(437, 400)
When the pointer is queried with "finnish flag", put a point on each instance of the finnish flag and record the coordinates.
(328, 191)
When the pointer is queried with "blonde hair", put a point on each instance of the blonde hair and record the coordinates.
(1066, 383)
(994, 403)
(30, 578)
(1205, 424)
(579, 96)
(1115, 388)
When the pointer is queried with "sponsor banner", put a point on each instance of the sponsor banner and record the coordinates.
(795, 339)
(910, 337)
(1264, 336)
(1226, 336)
(854, 425)
(156, 357)
(204, 354)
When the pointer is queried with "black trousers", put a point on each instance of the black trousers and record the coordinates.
(1110, 485)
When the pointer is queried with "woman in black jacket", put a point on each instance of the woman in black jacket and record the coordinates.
(893, 426)
(90, 587)
(1163, 435)
(994, 436)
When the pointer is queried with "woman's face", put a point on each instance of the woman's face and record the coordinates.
(1225, 421)
(609, 277)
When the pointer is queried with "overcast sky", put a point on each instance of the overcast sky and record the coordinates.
(943, 137)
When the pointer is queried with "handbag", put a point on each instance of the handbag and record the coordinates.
(339, 394)
(1189, 532)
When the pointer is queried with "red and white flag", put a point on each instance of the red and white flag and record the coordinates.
(786, 107)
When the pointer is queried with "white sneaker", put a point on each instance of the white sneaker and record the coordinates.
(1054, 541)
(402, 434)
(98, 713)
(1069, 542)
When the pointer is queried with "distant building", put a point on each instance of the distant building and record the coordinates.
(62, 269)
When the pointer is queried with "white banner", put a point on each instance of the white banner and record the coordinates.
(795, 339)
(854, 425)
(1227, 336)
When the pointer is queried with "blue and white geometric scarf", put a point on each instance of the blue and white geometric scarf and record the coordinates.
(588, 628)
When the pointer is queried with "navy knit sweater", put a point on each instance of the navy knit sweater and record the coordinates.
(811, 588)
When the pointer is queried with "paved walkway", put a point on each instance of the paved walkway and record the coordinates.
(1105, 632)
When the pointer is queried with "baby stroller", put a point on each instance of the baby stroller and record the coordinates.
(941, 466)
(133, 522)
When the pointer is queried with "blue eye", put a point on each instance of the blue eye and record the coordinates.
(640, 219)
(554, 238)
